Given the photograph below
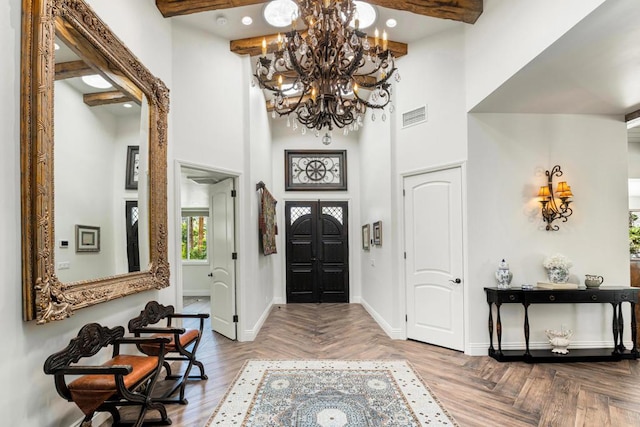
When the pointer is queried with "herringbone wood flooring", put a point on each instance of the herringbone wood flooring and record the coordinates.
(477, 391)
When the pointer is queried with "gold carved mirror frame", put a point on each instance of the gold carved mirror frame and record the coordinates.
(45, 298)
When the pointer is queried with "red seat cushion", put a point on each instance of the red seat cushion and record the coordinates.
(89, 391)
(189, 336)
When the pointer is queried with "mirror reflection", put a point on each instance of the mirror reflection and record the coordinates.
(92, 179)
(97, 133)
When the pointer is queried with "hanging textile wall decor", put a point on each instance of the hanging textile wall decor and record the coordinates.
(267, 221)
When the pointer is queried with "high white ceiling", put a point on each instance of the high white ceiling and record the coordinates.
(593, 69)
(411, 27)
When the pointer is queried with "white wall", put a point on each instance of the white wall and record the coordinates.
(509, 34)
(634, 160)
(379, 288)
(431, 75)
(256, 297)
(508, 154)
(85, 145)
(31, 400)
(90, 151)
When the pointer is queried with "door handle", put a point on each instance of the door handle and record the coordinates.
(210, 274)
(456, 280)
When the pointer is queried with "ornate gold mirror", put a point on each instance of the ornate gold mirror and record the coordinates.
(46, 23)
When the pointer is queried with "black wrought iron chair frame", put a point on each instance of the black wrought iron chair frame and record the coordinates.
(155, 313)
(92, 338)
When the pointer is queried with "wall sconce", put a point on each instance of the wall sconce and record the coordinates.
(551, 209)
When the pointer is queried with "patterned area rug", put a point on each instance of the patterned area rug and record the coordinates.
(329, 393)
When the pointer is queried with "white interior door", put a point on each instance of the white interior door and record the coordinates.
(221, 247)
(434, 264)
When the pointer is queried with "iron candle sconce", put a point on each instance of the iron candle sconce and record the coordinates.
(555, 207)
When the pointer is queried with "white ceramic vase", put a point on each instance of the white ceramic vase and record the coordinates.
(558, 275)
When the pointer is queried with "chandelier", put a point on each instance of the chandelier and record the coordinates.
(327, 74)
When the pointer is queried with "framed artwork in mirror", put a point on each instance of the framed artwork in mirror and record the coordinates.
(87, 238)
(315, 170)
(366, 237)
(133, 166)
(377, 233)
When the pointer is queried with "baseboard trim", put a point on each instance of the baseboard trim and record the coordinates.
(196, 293)
(98, 419)
(251, 334)
(393, 333)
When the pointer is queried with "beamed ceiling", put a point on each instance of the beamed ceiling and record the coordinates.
(458, 10)
(466, 11)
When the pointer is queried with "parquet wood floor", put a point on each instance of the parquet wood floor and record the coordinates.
(477, 391)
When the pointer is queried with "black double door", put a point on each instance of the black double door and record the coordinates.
(317, 251)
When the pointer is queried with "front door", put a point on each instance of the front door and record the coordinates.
(433, 236)
(317, 251)
(133, 248)
(221, 245)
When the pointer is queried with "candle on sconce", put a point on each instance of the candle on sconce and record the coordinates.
(384, 40)
(264, 47)
(280, 82)
(376, 35)
(279, 41)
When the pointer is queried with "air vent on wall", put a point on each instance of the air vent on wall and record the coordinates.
(414, 117)
(203, 179)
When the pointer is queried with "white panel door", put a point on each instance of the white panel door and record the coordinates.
(434, 264)
(221, 247)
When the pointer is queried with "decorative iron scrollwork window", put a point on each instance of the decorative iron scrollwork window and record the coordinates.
(315, 170)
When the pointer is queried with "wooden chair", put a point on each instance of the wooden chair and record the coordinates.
(124, 380)
(182, 346)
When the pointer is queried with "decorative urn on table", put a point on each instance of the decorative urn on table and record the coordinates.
(560, 340)
(503, 275)
(557, 268)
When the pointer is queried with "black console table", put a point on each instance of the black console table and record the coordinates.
(612, 295)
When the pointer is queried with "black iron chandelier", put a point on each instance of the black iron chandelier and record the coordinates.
(320, 73)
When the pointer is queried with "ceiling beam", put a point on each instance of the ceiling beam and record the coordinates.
(458, 10)
(170, 8)
(71, 69)
(305, 98)
(632, 116)
(467, 11)
(105, 98)
(253, 46)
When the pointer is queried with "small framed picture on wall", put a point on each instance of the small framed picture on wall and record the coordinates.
(133, 165)
(87, 238)
(366, 236)
(377, 233)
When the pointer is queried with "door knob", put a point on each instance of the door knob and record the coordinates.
(210, 274)
(456, 280)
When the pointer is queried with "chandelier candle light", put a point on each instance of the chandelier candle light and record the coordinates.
(318, 74)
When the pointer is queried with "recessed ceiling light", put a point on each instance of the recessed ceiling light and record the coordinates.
(365, 13)
(56, 46)
(247, 20)
(391, 22)
(279, 12)
(127, 105)
(96, 81)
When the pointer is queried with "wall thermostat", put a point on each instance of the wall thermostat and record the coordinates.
(64, 244)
